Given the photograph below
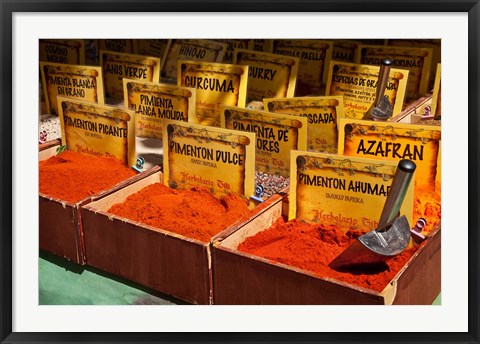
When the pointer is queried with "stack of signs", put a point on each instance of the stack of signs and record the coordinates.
(314, 55)
(192, 50)
(344, 50)
(357, 83)
(72, 81)
(117, 45)
(232, 44)
(68, 51)
(391, 141)
(346, 192)
(269, 75)
(322, 114)
(216, 84)
(416, 60)
(276, 135)
(434, 44)
(220, 160)
(260, 45)
(151, 47)
(117, 66)
(97, 129)
(65, 51)
(437, 94)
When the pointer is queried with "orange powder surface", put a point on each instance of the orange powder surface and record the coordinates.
(194, 213)
(427, 204)
(72, 176)
(312, 247)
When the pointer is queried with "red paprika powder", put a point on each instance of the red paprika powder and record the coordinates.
(72, 176)
(313, 246)
(195, 213)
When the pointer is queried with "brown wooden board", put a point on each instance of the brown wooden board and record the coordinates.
(244, 279)
(60, 222)
(159, 259)
(60, 230)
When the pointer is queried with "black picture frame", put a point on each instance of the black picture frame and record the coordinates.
(8, 7)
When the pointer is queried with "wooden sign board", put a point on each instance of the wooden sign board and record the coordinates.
(314, 55)
(416, 60)
(357, 84)
(152, 47)
(67, 51)
(391, 141)
(153, 102)
(269, 75)
(344, 50)
(191, 50)
(116, 66)
(232, 44)
(437, 93)
(72, 81)
(216, 84)
(117, 45)
(219, 159)
(322, 114)
(97, 129)
(347, 192)
(276, 135)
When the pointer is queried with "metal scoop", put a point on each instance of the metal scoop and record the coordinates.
(392, 234)
(381, 109)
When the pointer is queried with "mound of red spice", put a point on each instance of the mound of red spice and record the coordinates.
(194, 213)
(72, 176)
(312, 247)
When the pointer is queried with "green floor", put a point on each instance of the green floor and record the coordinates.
(65, 283)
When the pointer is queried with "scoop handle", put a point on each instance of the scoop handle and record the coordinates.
(382, 80)
(396, 195)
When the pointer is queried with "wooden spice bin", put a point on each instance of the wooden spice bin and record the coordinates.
(60, 222)
(153, 257)
(244, 279)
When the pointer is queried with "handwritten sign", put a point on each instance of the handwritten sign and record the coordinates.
(434, 44)
(276, 135)
(97, 129)
(344, 50)
(68, 51)
(393, 141)
(151, 47)
(152, 102)
(219, 159)
(322, 114)
(260, 45)
(346, 192)
(216, 84)
(269, 75)
(232, 44)
(117, 45)
(437, 94)
(358, 84)
(73, 81)
(314, 55)
(192, 50)
(416, 60)
(116, 66)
